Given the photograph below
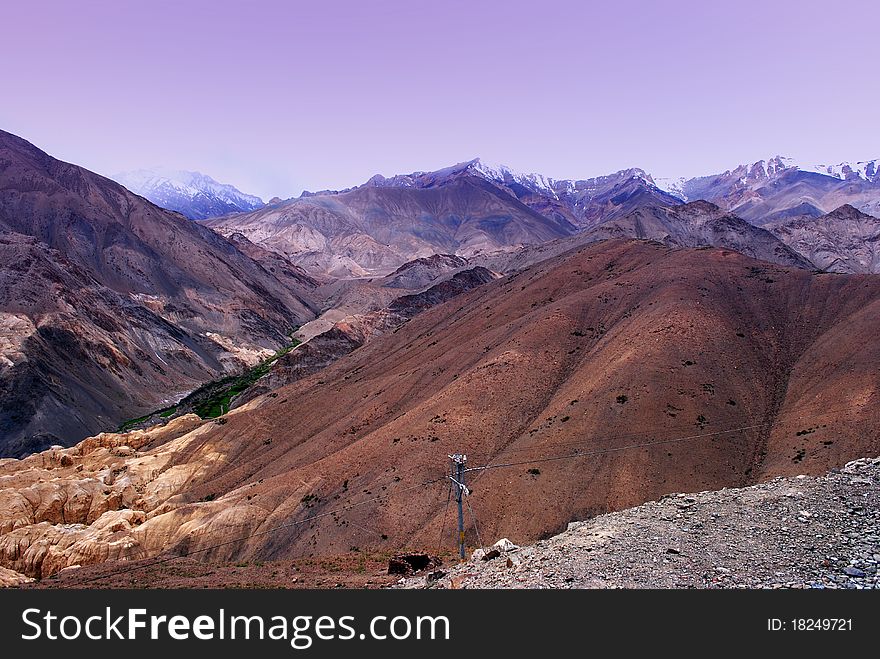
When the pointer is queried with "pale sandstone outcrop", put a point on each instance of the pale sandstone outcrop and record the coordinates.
(107, 498)
(10, 578)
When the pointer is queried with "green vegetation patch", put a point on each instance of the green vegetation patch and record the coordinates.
(213, 399)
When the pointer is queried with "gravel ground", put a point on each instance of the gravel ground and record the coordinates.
(800, 532)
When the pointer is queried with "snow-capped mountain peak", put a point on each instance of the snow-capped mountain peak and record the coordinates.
(196, 195)
(551, 186)
(866, 170)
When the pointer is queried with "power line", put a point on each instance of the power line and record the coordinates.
(580, 454)
(593, 440)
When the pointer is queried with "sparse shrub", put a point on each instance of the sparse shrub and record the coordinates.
(622, 398)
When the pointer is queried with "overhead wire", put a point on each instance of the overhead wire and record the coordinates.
(593, 440)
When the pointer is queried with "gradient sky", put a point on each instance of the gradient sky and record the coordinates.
(276, 96)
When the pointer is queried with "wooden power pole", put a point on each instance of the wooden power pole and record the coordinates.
(457, 477)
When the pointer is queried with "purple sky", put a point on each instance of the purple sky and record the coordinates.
(279, 96)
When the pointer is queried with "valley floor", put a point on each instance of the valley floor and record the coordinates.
(800, 532)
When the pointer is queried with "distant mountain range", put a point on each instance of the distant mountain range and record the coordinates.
(774, 189)
(466, 209)
(474, 209)
(193, 194)
(373, 229)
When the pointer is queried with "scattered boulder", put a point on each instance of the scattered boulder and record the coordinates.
(409, 564)
(505, 545)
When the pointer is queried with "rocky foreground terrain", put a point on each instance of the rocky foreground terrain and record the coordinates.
(800, 532)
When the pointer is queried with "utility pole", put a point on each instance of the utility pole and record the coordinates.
(457, 477)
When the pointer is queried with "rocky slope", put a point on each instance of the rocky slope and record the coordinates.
(797, 532)
(844, 240)
(111, 304)
(193, 194)
(419, 273)
(90, 503)
(695, 224)
(355, 330)
(75, 354)
(700, 224)
(755, 370)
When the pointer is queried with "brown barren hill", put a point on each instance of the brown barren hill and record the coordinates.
(715, 369)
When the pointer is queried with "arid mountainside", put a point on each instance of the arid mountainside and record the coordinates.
(695, 224)
(140, 250)
(373, 230)
(422, 272)
(75, 354)
(717, 369)
(354, 330)
(700, 224)
(111, 304)
(844, 240)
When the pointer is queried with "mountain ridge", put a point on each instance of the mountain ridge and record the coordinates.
(110, 304)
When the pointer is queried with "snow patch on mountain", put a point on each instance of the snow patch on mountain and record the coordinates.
(196, 195)
(866, 170)
(553, 187)
(673, 186)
